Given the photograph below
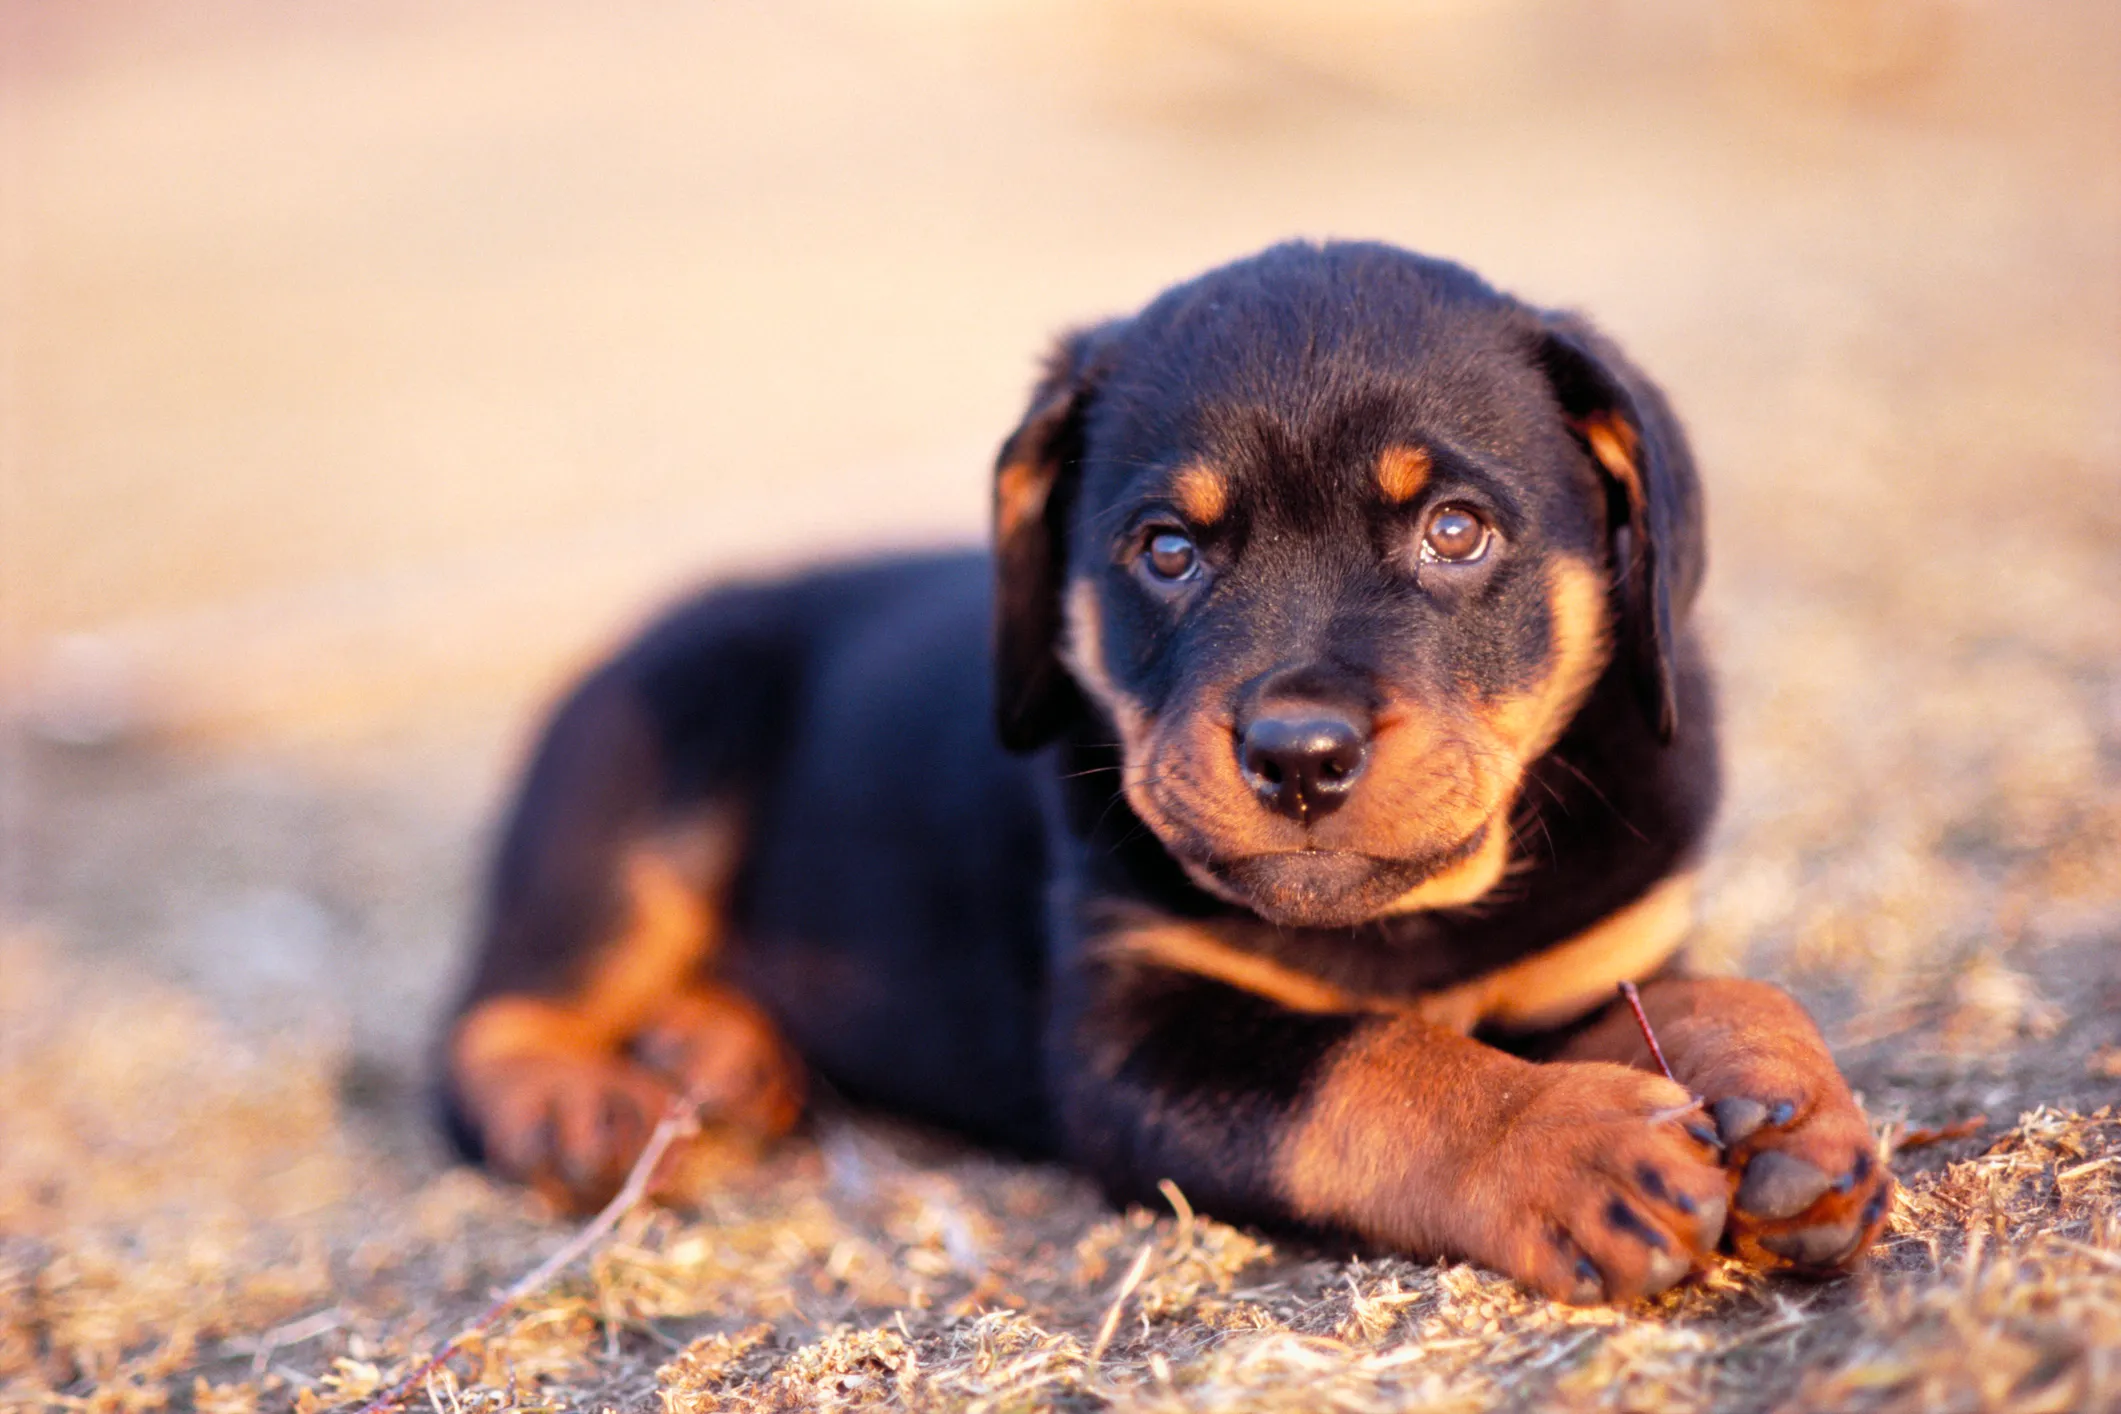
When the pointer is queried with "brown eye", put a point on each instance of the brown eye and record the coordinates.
(1171, 555)
(1455, 535)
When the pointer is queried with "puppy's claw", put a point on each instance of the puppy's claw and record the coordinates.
(1664, 1271)
(1737, 1117)
(1779, 1185)
(1816, 1246)
(1590, 1286)
(1711, 1218)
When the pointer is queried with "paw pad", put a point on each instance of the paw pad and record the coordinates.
(1779, 1185)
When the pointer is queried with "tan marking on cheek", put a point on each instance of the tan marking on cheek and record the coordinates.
(1572, 978)
(1183, 744)
(1202, 493)
(1509, 735)
(1613, 442)
(1083, 650)
(1430, 788)
(1020, 491)
(1581, 620)
(1402, 472)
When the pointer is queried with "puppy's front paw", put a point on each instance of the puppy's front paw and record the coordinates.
(1606, 1184)
(720, 1050)
(568, 1123)
(1808, 1191)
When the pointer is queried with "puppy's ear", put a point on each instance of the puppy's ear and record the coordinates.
(1625, 424)
(1034, 486)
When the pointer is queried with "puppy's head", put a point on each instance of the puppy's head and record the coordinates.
(1336, 541)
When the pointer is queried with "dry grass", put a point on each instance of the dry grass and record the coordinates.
(190, 1227)
(1885, 304)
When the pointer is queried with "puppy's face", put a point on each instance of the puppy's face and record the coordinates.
(1334, 565)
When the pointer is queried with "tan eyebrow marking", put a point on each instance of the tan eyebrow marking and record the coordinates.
(1202, 492)
(1402, 472)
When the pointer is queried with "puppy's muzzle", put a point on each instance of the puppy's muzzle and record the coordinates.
(1303, 759)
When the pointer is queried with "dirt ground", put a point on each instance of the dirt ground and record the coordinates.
(362, 368)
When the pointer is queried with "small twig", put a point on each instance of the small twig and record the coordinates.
(1110, 1325)
(1180, 1206)
(293, 1333)
(1634, 1000)
(1958, 1129)
(1794, 1320)
(2111, 1261)
(681, 1120)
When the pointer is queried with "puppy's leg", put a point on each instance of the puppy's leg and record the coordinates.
(1586, 1182)
(592, 1005)
(712, 1043)
(1808, 1191)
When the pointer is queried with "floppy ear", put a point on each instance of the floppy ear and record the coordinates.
(1624, 422)
(1034, 487)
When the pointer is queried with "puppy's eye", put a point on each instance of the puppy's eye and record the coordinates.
(1171, 555)
(1455, 535)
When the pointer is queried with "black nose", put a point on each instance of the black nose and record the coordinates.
(1303, 763)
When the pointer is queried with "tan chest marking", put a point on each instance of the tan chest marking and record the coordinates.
(1180, 947)
(1550, 988)
(1555, 987)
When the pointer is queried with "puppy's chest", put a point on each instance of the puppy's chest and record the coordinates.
(1461, 973)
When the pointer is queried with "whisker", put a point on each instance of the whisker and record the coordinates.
(1592, 786)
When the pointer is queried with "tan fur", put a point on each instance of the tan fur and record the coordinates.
(1344, 1159)
(1464, 882)
(1402, 472)
(1425, 1139)
(1577, 604)
(671, 934)
(1184, 948)
(555, 1085)
(1613, 442)
(1549, 988)
(1436, 780)
(1730, 1037)
(512, 1026)
(1083, 650)
(1020, 491)
(1573, 978)
(1202, 493)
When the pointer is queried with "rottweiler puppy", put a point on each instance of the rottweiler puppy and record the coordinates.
(1274, 811)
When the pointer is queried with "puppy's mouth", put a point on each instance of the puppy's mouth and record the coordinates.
(1331, 888)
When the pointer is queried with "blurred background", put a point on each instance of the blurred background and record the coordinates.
(367, 367)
